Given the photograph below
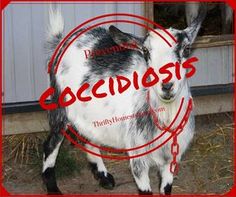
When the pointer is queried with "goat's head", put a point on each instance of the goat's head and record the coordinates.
(157, 53)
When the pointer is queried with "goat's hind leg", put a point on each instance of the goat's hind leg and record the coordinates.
(99, 170)
(51, 148)
(57, 121)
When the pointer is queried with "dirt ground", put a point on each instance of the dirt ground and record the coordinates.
(207, 167)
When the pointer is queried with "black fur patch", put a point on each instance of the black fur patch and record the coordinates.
(110, 63)
(145, 122)
(94, 169)
(49, 180)
(144, 192)
(167, 189)
(137, 167)
(113, 63)
(49, 145)
(180, 39)
(107, 181)
(57, 117)
(146, 54)
(183, 45)
(53, 42)
(57, 120)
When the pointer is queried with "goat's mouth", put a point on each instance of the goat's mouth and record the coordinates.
(167, 97)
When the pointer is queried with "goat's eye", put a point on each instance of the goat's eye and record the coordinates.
(187, 50)
(146, 53)
(145, 50)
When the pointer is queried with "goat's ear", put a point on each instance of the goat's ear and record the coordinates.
(195, 26)
(125, 40)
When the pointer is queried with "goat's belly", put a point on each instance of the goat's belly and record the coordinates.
(111, 137)
(104, 121)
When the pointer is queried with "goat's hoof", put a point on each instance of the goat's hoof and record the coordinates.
(167, 189)
(107, 181)
(144, 192)
(55, 191)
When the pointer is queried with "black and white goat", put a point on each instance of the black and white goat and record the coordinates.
(75, 69)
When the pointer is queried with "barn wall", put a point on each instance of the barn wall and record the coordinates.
(25, 30)
(25, 76)
(215, 66)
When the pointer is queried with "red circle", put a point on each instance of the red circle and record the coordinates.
(58, 62)
(80, 33)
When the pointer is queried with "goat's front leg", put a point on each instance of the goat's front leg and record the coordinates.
(140, 170)
(166, 179)
(99, 170)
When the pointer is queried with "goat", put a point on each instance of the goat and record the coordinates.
(75, 69)
(192, 9)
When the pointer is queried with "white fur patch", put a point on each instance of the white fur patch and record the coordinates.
(94, 159)
(51, 159)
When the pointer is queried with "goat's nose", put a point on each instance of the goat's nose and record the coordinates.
(166, 87)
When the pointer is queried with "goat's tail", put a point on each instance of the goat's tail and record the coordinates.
(55, 27)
